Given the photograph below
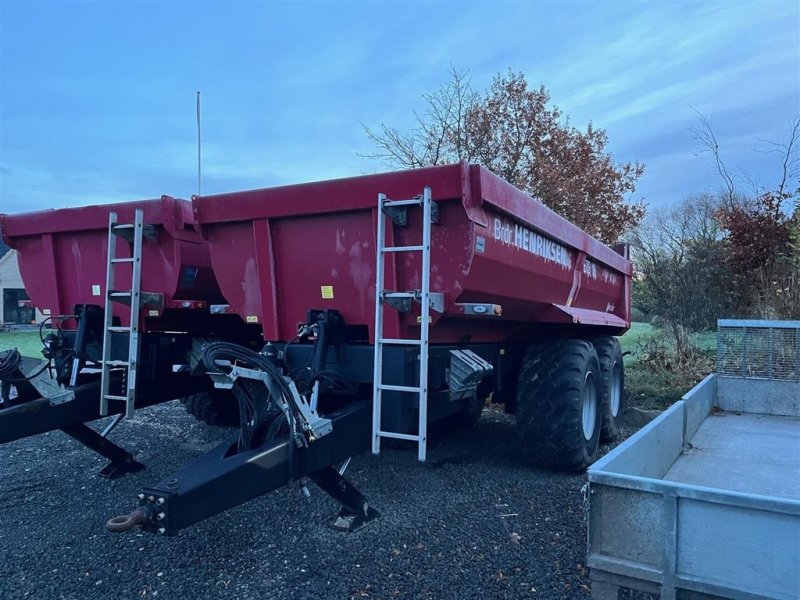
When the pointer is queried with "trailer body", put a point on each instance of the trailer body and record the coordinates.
(706, 498)
(63, 255)
(277, 252)
(345, 356)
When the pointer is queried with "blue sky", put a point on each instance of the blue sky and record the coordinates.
(97, 99)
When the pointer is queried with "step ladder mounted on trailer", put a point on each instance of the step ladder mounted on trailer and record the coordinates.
(394, 212)
(134, 233)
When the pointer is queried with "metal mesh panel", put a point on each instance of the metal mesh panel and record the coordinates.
(759, 349)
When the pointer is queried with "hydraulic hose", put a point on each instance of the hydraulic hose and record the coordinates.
(10, 361)
(246, 392)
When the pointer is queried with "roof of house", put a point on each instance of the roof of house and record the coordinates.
(3, 248)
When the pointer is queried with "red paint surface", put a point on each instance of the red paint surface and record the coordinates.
(273, 249)
(62, 254)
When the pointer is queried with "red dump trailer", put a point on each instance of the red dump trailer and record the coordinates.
(63, 255)
(63, 259)
(384, 304)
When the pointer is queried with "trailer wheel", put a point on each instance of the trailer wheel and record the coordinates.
(218, 408)
(558, 404)
(612, 390)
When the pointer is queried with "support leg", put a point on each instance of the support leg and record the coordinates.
(355, 512)
(122, 461)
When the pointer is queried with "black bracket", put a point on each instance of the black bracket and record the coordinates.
(402, 305)
(399, 214)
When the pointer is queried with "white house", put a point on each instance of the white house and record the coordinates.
(12, 292)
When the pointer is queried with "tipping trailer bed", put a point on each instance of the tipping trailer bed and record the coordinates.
(63, 254)
(706, 498)
(278, 252)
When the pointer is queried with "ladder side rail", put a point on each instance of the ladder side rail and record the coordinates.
(378, 359)
(424, 322)
(136, 284)
(108, 315)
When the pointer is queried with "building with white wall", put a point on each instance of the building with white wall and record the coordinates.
(12, 291)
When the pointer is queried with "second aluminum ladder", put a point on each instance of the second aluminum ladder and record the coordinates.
(134, 233)
(396, 298)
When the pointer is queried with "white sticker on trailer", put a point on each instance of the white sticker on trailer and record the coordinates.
(95, 290)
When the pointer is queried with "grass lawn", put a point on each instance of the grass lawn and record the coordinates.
(26, 341)
(649, 390)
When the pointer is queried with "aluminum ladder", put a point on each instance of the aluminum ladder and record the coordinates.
(134, 233)
(388, 212)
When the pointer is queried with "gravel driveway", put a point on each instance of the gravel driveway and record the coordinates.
(473, 522)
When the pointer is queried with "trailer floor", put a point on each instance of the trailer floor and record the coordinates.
(756, 454)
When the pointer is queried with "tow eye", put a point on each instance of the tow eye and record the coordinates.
(131, 520)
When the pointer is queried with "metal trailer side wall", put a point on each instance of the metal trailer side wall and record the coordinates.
(279, 252)
(63, 253)
(657, 535)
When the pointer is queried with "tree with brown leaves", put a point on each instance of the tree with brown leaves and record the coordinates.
(513, 131)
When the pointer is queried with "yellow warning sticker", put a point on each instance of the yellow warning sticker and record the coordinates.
(327, 292)
(252, 318)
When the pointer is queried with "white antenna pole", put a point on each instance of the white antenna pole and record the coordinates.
(199, 188)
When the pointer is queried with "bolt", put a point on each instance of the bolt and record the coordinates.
(150, 498)
(160, 516)
(140, 496)
(160, 501)
(162, 530)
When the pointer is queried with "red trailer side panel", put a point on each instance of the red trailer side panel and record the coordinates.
(63, 253)
(281, 251)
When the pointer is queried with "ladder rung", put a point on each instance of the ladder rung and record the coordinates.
(386, 294)
(122, 260)
(403, 249)
(399, 436)
(412, 202)
(114, 328)
(118, 363)
(118, 226)
(396, 342)
(110, 397)
(399, 388)
(119, 294)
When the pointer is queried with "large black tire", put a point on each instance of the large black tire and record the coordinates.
(557, 380)
(218, 408)
(612, 390)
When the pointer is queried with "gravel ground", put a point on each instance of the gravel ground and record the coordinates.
(473, 522)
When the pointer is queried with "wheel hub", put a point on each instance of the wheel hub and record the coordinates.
(589, 406)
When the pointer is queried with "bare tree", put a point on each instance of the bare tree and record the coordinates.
(513, 131)
(678, 253)
(439, 135)
(706, 141)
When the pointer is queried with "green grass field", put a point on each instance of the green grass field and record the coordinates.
(27, 342)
